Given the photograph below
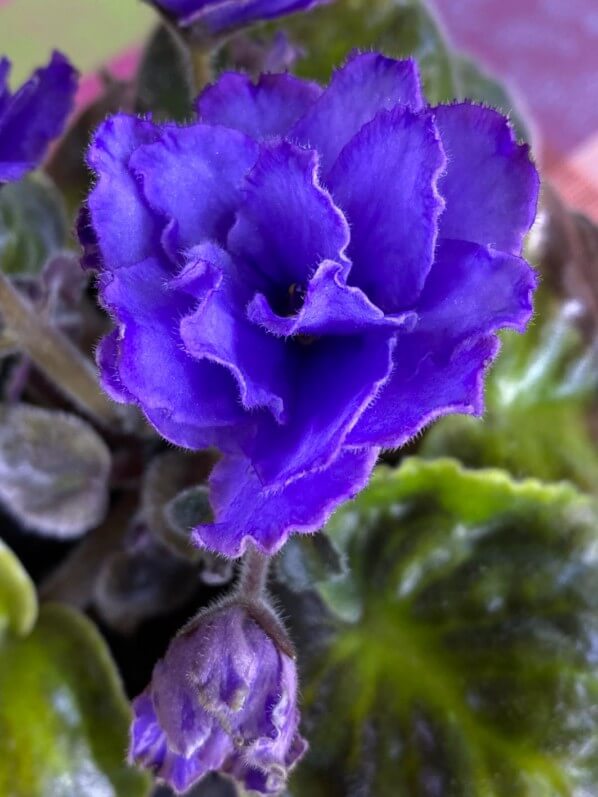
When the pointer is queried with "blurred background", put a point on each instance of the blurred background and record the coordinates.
(529, 584)
(545, 50)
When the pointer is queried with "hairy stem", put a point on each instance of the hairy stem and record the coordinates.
(54, 354)
(250, 594)
(254, 574)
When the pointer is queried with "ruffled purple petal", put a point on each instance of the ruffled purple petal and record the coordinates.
(148, 741)
(413, 398)
(125, 228)
(149, 748)
(272, 743)
(247, 512)
(330, 307)
(151, 366)
(34, 115)
(385, 181)
(287, 223)
(366, 85)
(218, 331)
(491, 186)
(263, 110)
(192, 176)
(472, 291)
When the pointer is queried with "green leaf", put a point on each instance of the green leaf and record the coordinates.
(166, 505)
(18, 601)
(33, 225)
(54, 470)
(63, 715)
(164, 82)
(188, 509)
(471, 670)
(538, 395)
(398, 28)
(308, 560)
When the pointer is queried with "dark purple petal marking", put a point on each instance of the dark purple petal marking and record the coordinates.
(286, 223)
(330, 307)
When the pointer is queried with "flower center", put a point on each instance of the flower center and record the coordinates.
(295, 299)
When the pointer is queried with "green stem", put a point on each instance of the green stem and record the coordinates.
(62, 362)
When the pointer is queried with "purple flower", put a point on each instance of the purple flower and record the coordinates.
(307, 276)
(222, 699)
(34, 115)
(222, 15)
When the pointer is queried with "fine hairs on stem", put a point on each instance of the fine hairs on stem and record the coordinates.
(250, 592)
(254, 574)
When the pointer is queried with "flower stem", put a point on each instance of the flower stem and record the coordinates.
(250, 593)
(254, 574)
(54, 354)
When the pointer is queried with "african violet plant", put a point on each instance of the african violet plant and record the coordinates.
(297, 246)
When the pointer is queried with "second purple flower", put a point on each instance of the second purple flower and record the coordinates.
(304, 277)
(223, 15)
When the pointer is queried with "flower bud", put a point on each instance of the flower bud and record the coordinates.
(223, 698)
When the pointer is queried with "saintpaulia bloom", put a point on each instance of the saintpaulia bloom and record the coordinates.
(34, 115)
(222, 699)
(221, 15)
(306, 276)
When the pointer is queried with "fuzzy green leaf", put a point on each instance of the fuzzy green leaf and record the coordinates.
(537, 399)
(399, 28)
(33, 225)
(308, 560)
(164, 84)
(470, 669)
(54, 470)
(63, 715)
